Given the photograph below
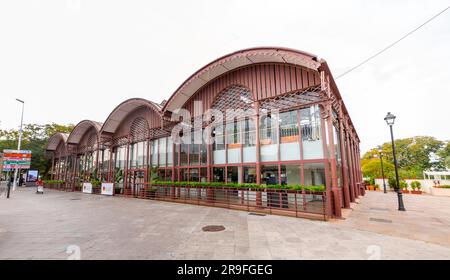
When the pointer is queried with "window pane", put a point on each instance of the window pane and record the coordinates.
(249, 174)
(311, 133)
(194, 151)
(203, 175)
(232, 174)
(269, 174)
(193, 175)
(290, 174)
(219, 174)
(314, 174)
(169, 151)
(154, 145)
(162, 151)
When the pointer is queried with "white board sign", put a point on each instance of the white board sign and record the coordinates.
(87, 187)
(107, 188)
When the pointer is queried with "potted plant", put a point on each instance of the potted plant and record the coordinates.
(118, 178)
(370, 184)
(96, 185)
(376, 187)
(416, 187)
(404, 186)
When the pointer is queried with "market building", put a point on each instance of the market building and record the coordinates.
(283, 122)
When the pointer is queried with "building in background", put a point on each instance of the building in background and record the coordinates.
(298, 131)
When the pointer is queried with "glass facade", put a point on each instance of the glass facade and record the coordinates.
(286, 141)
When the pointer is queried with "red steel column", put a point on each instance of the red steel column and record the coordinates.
(359, 167)
(357, 190)
(345, 183)
(110, 165)
(350, 165)
(326, 163)
(125, 179)
(333, 163)
(258, 156)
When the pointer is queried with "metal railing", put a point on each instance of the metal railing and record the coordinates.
(301, 203)
(295, 203)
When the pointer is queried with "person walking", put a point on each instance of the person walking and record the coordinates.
(40, 185)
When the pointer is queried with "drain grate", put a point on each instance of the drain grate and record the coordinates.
(75, 199)
(381, 220)
(257, 214)
(213, 228)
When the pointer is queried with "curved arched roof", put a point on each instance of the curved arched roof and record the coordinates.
(120, 112)
(80, 129)
(54, 141)
(233, 61)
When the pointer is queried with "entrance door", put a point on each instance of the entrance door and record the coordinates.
(136, 180)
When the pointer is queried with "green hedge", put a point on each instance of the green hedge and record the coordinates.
(235, 185)
(54, 181)
(444, 187)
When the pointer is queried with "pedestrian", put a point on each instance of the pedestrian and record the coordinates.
(11, 181)
(39, 181)
(40, 185)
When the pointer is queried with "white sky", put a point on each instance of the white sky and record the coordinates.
(72, 60)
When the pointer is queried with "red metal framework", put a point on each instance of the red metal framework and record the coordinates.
(298, 85)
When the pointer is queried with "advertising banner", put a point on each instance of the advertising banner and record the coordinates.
(87, 187)
(32, 176)
(108, 188)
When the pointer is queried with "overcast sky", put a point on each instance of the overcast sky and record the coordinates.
(72, 60)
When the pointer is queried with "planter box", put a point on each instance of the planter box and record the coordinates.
(416, 192)
(405, 191)
(440, 191)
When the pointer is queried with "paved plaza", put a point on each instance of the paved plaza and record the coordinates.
(59, 225)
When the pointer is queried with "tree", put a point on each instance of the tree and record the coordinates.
(444, 155)
(414, 155)
(372, 168)
(34, 138)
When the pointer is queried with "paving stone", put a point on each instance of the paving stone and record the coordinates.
(43, 226)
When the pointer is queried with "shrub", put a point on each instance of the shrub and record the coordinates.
(236, 185)
(54, 181)
(445, 186)
(415, 185)
(369, 182)
(95, 182)
(403, 185)
(392, 182)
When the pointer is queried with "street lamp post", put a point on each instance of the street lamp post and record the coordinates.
(19, 143)
(382, 170)
(390, 119)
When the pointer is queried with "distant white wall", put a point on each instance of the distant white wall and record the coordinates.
(426, 184)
